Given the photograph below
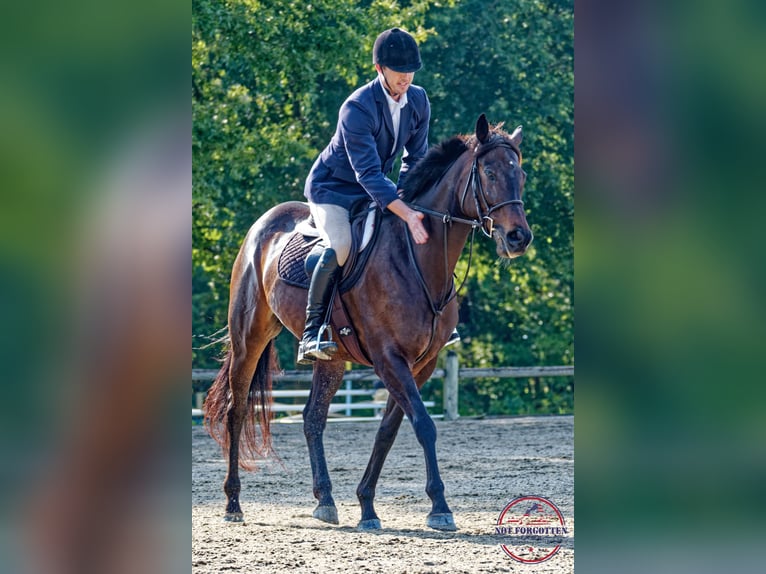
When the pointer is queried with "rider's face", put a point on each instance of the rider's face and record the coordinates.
(397, 82)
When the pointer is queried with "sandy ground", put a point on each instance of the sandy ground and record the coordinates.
(484, 464)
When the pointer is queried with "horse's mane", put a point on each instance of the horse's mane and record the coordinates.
(439, 158)
(429, 169)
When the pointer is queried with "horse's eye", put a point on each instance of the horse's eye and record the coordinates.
(489, 174)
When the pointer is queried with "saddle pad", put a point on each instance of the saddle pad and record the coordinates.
(292, 270)
(364, 232)
(292, 260)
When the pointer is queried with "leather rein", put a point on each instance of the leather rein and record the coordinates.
(484, 211)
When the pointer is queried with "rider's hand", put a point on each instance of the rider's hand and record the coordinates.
(415, 223)
(413, 219)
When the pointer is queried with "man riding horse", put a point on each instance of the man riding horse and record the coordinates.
(375, 124)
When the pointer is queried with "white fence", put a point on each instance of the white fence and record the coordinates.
(451, 374)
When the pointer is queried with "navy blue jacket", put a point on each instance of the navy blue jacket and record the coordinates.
(354, 165)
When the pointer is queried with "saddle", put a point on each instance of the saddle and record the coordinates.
(304, 244)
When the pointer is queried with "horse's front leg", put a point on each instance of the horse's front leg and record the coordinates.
(384, 440)
(396, 375)
(328, 376)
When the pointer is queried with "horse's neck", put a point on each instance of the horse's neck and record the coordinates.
(444, 199)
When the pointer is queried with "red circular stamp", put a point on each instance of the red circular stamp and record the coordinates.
(532, 528)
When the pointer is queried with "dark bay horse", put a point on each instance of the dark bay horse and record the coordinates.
(403, 308)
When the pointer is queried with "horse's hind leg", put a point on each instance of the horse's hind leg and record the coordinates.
(384, 440)
(328, 376)
(240, 375)
(252, 326)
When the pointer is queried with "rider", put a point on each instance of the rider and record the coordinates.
(375, 123)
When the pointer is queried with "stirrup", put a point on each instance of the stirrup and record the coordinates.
(453, 338)
(316, 348)
(322, 350)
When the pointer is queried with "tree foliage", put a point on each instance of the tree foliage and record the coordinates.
(268, 78)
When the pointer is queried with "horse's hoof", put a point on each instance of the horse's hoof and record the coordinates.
(371, 524)
(326, 514)
(234, 517)
(443, 521)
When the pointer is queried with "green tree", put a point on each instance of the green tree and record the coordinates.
(514, 61)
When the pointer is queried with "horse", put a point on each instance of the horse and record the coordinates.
(403, 307)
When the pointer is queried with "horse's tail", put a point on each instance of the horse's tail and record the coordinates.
(257, 417)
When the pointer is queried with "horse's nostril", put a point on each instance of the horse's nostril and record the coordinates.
(517, 236)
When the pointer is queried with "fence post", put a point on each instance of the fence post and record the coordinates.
(450, 386)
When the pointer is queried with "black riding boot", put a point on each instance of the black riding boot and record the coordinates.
(320, 292)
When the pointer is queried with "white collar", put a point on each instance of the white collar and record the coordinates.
(392, 103)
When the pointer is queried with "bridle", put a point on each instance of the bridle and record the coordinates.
(483, 210)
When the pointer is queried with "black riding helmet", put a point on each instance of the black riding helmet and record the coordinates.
(397, 50)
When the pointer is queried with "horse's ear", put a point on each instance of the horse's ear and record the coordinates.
(482, 129)
(516, 136)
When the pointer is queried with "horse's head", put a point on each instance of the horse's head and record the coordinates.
(495, 187)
